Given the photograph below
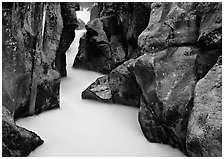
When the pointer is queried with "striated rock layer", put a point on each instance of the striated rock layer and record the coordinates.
(111, 36)
(180, 45)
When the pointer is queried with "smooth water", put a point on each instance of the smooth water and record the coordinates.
(90, 128)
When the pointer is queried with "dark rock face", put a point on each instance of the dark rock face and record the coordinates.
(16, 141)
(204, 137)
(118, 86)
(81, 25)
(167, 82)
(180, 45)
(30, 81)
(210, 36)
(70, 23)
(171, 24)
(111, 39)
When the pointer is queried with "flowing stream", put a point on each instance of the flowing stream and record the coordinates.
(89, 128)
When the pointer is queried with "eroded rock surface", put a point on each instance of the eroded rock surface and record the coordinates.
(70, 23)
(119, 86)
(204, 137)
(181, 43)
(29, 74)
(17, 141)
(111, 38)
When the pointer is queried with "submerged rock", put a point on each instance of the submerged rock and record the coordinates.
(17, 141)
(204, 137)
(111, 38)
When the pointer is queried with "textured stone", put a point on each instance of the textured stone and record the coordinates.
(81, 25)
(167, 83)
(29, 56)
(170, 24)
(16, 141)
(111, 38)
(204, 137)
(210, 36)
(70, 23)
(118, 86)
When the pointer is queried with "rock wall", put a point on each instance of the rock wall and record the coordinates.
(180, 45)
(30, 37)
(29, 75)
(111, 36)
(70, 23)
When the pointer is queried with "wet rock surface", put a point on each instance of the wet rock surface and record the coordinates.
(17, 141)
(204, 137)
(111, 38)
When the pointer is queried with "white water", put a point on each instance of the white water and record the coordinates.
(89, 128)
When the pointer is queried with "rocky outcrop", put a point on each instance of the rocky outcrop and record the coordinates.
(81, 25)
(167, 83)
(119, 86)
(210, 36)
(180, 45)
(70, 23)
(30, 82)
(171, 24)
(16, 141)
(204, 137)
(111, 39)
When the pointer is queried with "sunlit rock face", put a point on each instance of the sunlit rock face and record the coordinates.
(16, 141)
(111, 36)
(29, 75)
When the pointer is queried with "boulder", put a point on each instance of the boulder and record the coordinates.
(167, 84)
(102, 46)
(81, 25)
(210, 36)
(119, 86)
(70, 23)
(111, 38)
(30, 86)
(204, 135)
(170, 25)
(17, 141)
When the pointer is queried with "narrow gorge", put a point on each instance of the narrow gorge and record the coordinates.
(151, 71)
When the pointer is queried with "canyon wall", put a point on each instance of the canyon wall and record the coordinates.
(30, 83)
(176, 80)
